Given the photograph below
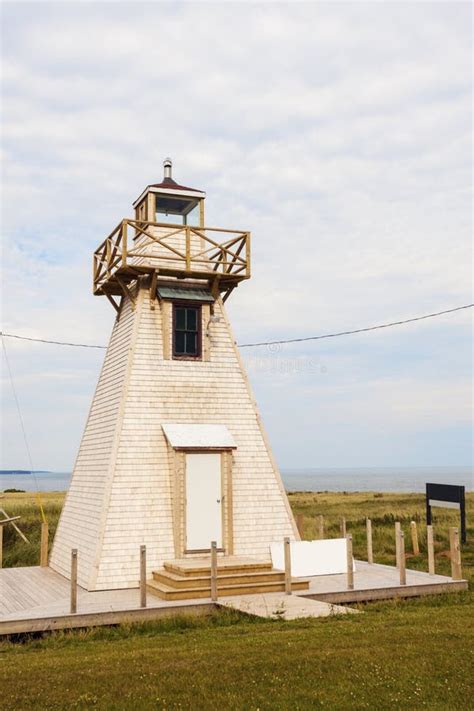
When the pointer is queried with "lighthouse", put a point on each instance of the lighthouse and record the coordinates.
(174, 454)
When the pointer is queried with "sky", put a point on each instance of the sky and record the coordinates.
(338, 133)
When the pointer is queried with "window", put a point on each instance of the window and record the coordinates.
(140, 212)
(177, 211)
(186, 331)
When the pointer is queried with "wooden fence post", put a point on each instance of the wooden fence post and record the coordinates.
(430, 546)
(414, 538)
(343, 527)
(401, 553)
(44, 545)
(142, 576)
(287, 551)
(455, 549)
(350, 562)
(398, 528)
(370, 552)
(214, 592)
(321, 525)
(73, 580)
(1, 546)
(300, 523)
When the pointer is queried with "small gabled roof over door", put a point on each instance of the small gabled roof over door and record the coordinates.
(206, 437)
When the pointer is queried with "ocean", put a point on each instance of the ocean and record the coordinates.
(397, 479)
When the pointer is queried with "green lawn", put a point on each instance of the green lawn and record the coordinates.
(410, 654)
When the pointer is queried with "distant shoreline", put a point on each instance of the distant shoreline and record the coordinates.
(355, 479)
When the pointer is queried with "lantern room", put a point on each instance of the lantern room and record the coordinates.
(168, 239)
(170, 203)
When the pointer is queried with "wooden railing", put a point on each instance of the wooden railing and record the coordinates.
(173, 250)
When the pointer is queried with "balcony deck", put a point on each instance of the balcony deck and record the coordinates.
(219, 256)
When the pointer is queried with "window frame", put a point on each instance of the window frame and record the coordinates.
(192, 305)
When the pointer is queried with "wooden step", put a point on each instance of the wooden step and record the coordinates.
(202, 566)
(165, 592)
(173, 580)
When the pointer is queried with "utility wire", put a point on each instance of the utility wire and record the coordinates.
(43, 340)
(358, 330)
(32, 469)
(267, 343)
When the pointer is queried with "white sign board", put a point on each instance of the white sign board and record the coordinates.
(445, 504)
(323, 557)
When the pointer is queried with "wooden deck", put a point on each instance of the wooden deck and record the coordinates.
(38, 599)
(379, 582)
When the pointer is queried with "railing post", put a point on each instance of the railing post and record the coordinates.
(343, 527)
(430, 546)
(350, 562)
(214, 592)
(44, 545)
(401, 553)
(247, 255)
(73, 580)
(287, 552)
(414, 538)
(455, 551)
(188, 248)
(370, 553)
(1, 546)
(124, 242)
(142, 576)
(321, 525)
(397, 543)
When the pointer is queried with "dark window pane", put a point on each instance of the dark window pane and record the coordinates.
(180, 318)
(191, 320)
(191, 343)
(179, 342)
(186, 331)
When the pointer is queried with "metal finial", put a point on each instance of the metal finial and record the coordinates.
(167, 164)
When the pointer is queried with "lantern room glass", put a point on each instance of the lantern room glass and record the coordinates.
(177, 210)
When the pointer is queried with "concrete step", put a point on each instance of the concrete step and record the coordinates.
(165, 592)
(173, 580)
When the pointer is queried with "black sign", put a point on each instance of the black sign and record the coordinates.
(448, 496)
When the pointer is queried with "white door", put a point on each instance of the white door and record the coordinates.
(203, 501)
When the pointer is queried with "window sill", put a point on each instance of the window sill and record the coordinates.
(193, 358)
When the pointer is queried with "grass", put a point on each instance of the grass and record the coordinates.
(413, 654)
(15, 551)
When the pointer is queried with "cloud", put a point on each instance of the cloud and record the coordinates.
(339, 134)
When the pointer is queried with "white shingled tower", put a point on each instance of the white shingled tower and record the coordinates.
(174, 454)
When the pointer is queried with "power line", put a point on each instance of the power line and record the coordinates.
(22, 424)
(54, 343)
(266, 343)
(358, 330)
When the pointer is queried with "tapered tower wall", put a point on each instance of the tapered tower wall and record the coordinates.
(122, 491)
(83, 511)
